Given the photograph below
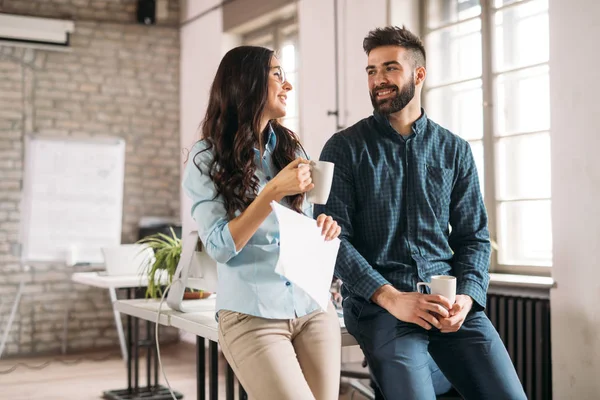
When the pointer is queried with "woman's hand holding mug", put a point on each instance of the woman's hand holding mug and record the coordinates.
(293, 179)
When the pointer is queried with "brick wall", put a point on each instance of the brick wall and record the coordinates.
(120, 79)
(86, 10)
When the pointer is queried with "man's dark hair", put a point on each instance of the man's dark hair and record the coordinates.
(396, 36)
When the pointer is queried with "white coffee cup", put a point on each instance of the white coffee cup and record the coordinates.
(443, 285)
(322, 177)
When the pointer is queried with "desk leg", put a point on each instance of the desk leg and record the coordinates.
(113, 297)
(156, 366)
(229, 392)
(200, 369)
(136, 354)
(129, 346)
(149, 352)
(242, 395)
(214, 371)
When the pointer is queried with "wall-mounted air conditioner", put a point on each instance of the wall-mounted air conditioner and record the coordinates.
(36, 32)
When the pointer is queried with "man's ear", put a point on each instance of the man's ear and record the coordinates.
(420, 74)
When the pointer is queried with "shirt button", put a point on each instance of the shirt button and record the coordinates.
(268, 178)
(288, 283)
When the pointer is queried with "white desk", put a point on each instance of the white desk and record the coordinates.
(200, 323)
(112, 283)
(101, 280)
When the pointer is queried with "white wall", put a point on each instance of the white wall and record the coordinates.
(405, 12)
(357, 18)
(201, 51)
(193, 8)
(317, 73)
(574, 101)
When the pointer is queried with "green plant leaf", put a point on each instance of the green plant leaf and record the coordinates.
(167, 252)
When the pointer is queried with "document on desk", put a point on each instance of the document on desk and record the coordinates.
(305, 258)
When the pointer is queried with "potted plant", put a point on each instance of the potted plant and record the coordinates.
(167, 252)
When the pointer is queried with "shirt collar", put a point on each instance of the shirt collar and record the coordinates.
(272, 140)
(418, 126)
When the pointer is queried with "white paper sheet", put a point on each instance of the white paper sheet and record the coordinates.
(305, 258)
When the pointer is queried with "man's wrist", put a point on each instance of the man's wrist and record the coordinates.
(468, 301)
(384, 295)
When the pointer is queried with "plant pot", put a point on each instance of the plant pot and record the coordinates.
(196, 295)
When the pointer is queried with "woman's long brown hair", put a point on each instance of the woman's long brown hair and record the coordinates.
(237, 99)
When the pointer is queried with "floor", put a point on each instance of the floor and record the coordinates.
(86, 376)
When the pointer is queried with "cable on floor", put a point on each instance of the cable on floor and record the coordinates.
(59, 361)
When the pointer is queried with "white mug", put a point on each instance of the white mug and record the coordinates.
(322, 177)
(443, 285)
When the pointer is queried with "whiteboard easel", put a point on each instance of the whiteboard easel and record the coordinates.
(72, 202)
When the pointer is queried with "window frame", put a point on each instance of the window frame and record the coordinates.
(489, 139)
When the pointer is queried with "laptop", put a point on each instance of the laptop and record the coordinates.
(126, 259)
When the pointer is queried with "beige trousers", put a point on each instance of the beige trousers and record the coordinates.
(297, 359)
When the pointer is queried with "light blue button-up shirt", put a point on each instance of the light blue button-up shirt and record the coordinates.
(247, 280)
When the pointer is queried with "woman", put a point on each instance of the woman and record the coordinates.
(278, 342)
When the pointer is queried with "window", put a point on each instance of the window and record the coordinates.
(488, 83)
(282, 37)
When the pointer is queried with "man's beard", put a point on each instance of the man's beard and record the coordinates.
(397, 103)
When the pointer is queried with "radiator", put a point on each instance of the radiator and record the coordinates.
(524, 326)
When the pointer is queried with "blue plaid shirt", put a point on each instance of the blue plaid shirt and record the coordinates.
(409, 208)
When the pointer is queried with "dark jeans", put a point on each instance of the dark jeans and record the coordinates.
(473, 359)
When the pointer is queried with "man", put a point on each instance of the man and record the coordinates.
(407, 196)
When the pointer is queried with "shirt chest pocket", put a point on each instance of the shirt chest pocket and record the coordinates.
(438, 183)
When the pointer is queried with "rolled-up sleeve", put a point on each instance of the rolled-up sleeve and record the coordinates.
(208, 209)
